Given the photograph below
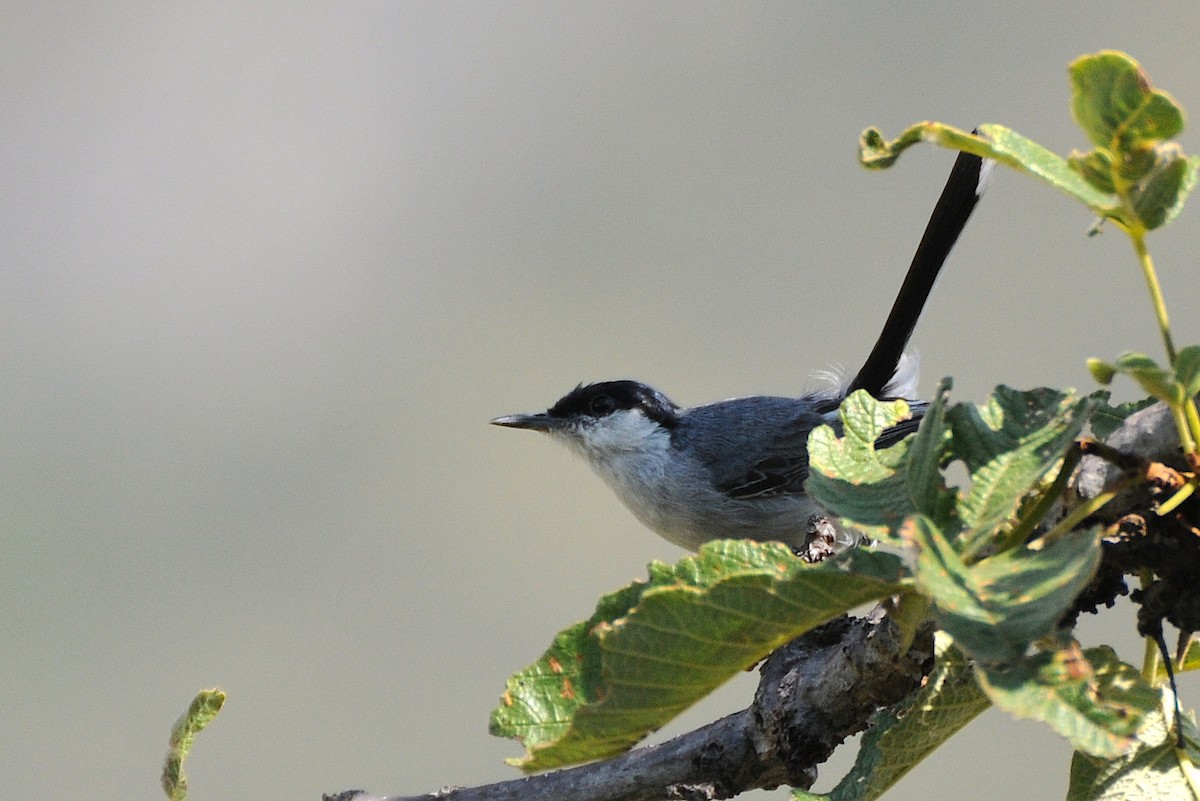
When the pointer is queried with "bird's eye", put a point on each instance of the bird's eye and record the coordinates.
(601, 405)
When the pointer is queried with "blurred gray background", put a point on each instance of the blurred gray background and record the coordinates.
(266, 274)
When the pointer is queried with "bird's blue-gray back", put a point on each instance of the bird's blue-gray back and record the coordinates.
(745, 461)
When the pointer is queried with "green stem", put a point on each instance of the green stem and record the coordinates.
(1156, 296)
(1189, 769)
(1150, 661)
(1179, 413)
(1192, 416)
(1179, 497)
(1150, 654)
(1075, 517)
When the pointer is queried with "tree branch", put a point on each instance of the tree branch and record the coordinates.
(1148, 434)
(814, 692)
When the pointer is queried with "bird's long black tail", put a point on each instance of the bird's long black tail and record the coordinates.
(964, 187)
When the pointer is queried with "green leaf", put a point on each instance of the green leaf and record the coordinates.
(1106, 419)
(1129, 121)
(1190, 662)
(655, 648)
(1096, 168)
(1090, 697)
(1008, 445)
(854, 457)
(1156, 381)
(994, 142)
(1134, 164)
(902, 735)
(868, 487)
(927, 452)
(1113, 102)
(1159, 192)
(1029, 157)
(1187, 370)
(1152, 769)
(995, 608)
(1134, 177)
(1173, 198)
(200, 713)
(1102, 371)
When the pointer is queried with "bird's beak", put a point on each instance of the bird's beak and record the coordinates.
(535, 422)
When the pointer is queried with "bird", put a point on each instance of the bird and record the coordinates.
(736, 469)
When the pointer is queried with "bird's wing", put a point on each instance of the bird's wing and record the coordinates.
(756, 446)
(780, 465)
(778, 474)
